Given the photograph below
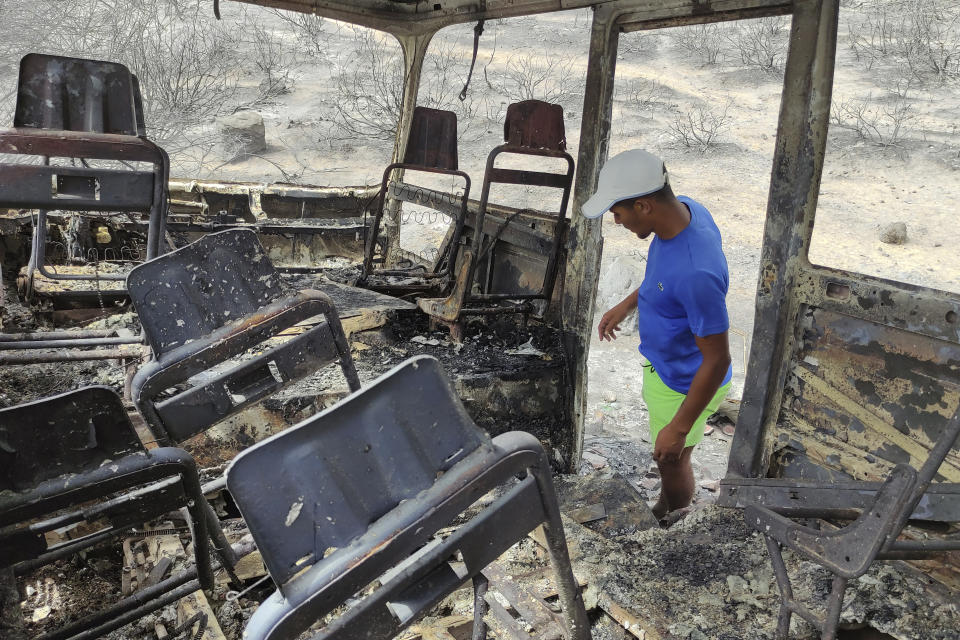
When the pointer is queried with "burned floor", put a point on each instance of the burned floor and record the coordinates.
(707, 576)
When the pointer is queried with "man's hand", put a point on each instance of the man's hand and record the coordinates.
(610, 322)
(670, 443)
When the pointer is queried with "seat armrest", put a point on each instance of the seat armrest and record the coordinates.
(179, 364)
(58, 144)
(848, 551)
(768, 522)
(64, 491)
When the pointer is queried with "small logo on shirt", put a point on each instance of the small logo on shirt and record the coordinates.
(660, 286)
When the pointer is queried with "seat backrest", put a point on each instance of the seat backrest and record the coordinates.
(535, 124)
(433, 139)
(73, 94)
(323, 482)
(188, 293)
(72, 432)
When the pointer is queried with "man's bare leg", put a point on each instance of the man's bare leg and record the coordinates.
(676, 485)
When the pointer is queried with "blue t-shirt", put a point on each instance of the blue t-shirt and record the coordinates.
(683, 295)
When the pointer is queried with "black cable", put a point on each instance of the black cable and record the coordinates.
(477, 30)
(500, 229)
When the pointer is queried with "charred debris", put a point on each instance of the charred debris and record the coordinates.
(161, 337)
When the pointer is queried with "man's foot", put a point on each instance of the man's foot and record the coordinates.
(674, 517)
(728, 429)
(659, 509)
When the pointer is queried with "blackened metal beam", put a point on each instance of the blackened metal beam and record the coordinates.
(37, 357)
(798, 498)
(680, 13)
(584, 239)
(794, 187)
(428, 17)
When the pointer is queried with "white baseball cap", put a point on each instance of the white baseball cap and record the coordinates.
(630, 174)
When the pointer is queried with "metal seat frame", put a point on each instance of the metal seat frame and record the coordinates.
(104, 123)
(532, 128)
(849, 552)
(354, 496)
(431, 148)
(87, 110)
(75, 457)
(209, 302)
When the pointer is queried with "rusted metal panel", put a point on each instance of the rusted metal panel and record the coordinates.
(433, 139)
(203, 200)
(927, 312)
(513, 270)
(584, 242)
(885, 392)
(535, 125)
(843, 498)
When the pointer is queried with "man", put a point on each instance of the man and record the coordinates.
(681, 312)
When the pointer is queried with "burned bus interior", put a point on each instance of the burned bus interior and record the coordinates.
(312, 430)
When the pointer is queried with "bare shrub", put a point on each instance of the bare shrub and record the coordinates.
(369, 92)
(639, 44)
(642, 93)
(920, 37)
(309, 29)
(538, 77)
(703, 41)
(698, 128)
(761, 43)
(882, 122)
(273, 60)
(185, 67)
(369, 96)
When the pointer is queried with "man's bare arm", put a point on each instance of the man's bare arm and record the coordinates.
(610, 322)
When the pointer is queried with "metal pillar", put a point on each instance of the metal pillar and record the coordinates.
(414, 50)
(794, 187)
(585, 242)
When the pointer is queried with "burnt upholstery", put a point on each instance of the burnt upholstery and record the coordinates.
(204, 305)
(346, 496)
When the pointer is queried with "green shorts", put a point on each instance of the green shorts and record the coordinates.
(663, 403)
